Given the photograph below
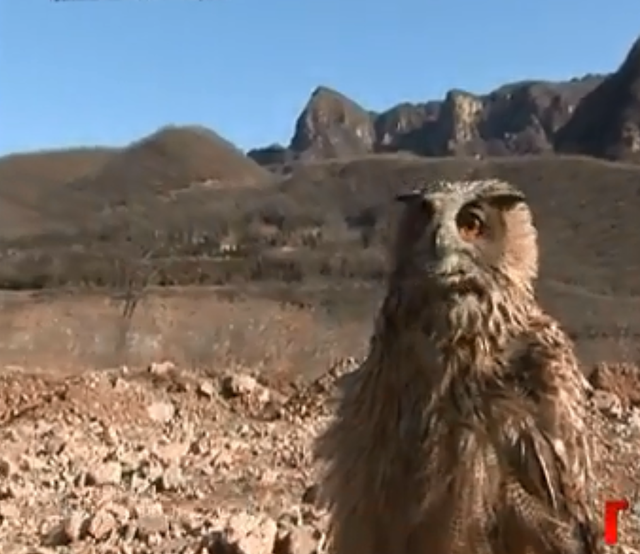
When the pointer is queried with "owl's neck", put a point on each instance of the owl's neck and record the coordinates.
(426, 349)
(457, 326)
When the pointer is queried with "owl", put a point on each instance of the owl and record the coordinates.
(464, 430)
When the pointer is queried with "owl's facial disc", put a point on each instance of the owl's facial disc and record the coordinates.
(462, 236)
(455, 244)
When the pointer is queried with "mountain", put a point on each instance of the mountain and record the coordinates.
(606, 123)
(515, 119)
(331, 126)
(595, 115)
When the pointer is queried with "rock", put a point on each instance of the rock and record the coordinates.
(106, 473)
(243, 391)
(459, 120)
(608, 403)
(161, 368)
(207, 389)
(173, 452)
(239, 385)
(120, 512)
(69, 530)
(7, 467)
(153, 524)
(146, 508)
(102, 525)
(161, 412)
(634, 420)
(110, 435)
(216, 479)
(9, 511)
(53, 445)
(171, 479)
(405, 126)
(251, 534)
(623, 380)
(299, 540)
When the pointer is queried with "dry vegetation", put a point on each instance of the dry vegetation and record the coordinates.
(327, 225)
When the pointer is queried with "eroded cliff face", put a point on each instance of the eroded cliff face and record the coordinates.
(331, 125)
(596, 115)
(518, 118)
(406, 127)
(607, 121)
(458, 127)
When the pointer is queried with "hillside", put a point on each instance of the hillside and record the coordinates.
(31, 199)
(63, 191)
(328, 223)
(170, 160)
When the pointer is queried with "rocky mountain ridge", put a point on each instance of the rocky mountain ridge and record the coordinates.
(518, 118)
(596, 115)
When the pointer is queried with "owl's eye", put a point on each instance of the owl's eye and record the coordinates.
(470, 225)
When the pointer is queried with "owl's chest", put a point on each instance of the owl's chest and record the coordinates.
(456, 387)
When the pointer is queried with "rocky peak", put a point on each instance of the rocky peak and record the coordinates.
(606, 123)
(332, 125)
(406, 127)
(517, 118)
(460, 116)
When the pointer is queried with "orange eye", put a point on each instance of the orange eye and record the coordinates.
(470, 226)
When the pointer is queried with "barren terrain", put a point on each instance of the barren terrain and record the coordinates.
(194, 434)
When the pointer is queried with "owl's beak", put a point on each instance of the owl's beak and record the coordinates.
(443, 245)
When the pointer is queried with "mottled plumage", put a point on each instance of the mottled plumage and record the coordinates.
(464, 429)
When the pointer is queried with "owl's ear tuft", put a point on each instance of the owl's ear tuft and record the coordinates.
(409, 196)
(507, 201)
(503, 195)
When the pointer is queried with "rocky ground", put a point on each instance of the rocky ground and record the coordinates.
(166, 461)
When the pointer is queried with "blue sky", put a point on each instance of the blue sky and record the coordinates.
(88, 72)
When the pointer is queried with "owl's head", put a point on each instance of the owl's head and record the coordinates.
(466, 236)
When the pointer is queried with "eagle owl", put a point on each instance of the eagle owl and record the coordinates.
(464, 429)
